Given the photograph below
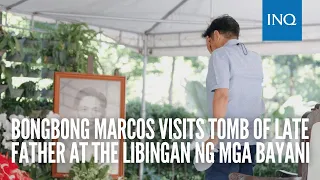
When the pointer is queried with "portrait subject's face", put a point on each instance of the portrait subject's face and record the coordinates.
(90, 97)
(90, 107)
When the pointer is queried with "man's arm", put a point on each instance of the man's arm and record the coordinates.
(220, 86)
(220, 102)
(219, 105)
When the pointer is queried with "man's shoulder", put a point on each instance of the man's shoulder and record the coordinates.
(225, 50)
(220, 50)
(255, 53)
(219, 53)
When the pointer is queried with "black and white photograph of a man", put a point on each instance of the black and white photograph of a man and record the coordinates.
(90, 99)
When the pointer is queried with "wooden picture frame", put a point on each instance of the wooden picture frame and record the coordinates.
(88, 81)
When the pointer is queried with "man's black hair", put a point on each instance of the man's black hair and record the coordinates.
(224, 24)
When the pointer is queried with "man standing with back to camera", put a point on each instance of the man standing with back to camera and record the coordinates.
(234, 89)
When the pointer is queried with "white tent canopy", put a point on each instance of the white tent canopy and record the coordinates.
(172, 27)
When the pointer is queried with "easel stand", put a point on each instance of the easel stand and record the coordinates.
(90, 65)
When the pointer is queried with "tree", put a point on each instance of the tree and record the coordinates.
(171, 80)
(292, 75)
(197, 66)
(292, 63)
(129, 62)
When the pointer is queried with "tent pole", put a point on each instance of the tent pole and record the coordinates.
(90, 64)
(211, 10)
(6, 19)
(143, 103)
(32, 23)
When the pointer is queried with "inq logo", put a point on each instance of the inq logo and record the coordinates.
(288, 19)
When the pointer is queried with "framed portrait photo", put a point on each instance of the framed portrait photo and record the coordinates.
(89, 96)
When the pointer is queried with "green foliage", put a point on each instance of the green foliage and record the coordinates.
(26, 106)
(159, 171)
(156, 111)
(89, 171)
(294, 75)
(67, 46)
(9, 43)
(196, 64)
(39, 172)
(44, 26)
(70, 45)
(30, 89)
(293, 62)
(63, 49)
(117, 56)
